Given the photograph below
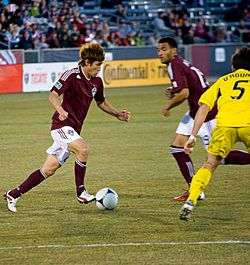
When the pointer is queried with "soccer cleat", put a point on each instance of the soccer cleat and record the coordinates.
(186, 210)
(11, 202)
(184, 196)
(85, 197)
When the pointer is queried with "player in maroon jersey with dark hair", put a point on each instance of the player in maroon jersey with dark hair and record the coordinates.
(78, 86)
(188, 83)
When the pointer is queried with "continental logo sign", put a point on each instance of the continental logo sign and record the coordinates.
(134, 73)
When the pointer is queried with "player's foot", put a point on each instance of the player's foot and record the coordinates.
(85, 197)
(186, 210)
(184, 196)
(11, 202)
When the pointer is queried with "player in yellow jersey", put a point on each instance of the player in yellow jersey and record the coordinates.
(232, 94)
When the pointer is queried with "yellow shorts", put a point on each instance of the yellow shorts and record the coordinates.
(224, 138)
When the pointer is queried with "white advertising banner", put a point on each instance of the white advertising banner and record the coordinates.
(39, 77)
(42, 76)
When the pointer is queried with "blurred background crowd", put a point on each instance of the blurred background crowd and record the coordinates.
(40, 24)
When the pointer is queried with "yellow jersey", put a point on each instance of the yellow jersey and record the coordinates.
(231, 92)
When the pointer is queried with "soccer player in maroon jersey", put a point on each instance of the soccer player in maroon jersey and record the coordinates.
(189, 83)
(78, 86)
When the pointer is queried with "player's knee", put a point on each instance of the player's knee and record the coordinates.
(211, 165)
(83, 151)
(49, 172)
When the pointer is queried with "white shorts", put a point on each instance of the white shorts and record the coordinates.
(186, 125)
(62, 137)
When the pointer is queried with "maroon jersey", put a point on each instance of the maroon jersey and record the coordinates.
(78, 93)
(183, 75)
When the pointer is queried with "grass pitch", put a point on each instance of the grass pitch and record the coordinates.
(51, 227)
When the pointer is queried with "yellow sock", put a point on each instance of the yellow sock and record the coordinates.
(198, 184)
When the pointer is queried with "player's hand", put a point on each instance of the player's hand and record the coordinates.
(166, 112)
(63, 115)
(168, 93)
(123, 115)
(189, 145)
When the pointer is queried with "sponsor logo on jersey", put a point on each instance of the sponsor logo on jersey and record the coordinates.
(58, 85)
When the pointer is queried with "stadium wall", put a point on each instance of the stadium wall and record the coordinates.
(31, 71)
(121, 73)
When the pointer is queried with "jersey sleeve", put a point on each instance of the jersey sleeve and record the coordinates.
(177, 77)
(99, 96)
(63, 83)
(210, 96)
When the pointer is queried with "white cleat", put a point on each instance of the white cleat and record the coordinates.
(11, 202)
(186, 210)
(85, 197)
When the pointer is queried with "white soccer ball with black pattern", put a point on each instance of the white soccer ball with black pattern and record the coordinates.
(106, 199)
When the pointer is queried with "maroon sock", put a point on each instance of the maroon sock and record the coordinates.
(33, 180)
(237, 157)
(184, 162)
(80, 169)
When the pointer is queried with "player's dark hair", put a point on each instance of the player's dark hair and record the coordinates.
(171, 41)
(241, 59)
(92, 52)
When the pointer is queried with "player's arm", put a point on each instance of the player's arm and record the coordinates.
(198, 121)
(176, 100)
(168, 92)
(55, 101)
(122, 115)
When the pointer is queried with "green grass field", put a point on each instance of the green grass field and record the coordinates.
(51, 227)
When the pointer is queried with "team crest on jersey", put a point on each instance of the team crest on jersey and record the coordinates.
(94, 90)
(70, 132)
(58, 85)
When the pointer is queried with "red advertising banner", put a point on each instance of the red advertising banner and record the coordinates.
(11, 78)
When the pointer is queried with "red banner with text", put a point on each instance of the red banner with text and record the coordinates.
(11, 78)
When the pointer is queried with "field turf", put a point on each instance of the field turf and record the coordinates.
(51, 227)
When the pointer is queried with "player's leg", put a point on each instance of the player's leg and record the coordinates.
(202, 177)
(183, 160)
(80, 148)
(57, 154)
(240, 157)
(222, 141)
(176, 148)
(235, 157)
(199, 182)
(35, 178)
(244, 136)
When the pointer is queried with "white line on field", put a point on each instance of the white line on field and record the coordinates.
(131, 244)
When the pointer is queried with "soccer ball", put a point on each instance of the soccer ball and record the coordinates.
(106, 199)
